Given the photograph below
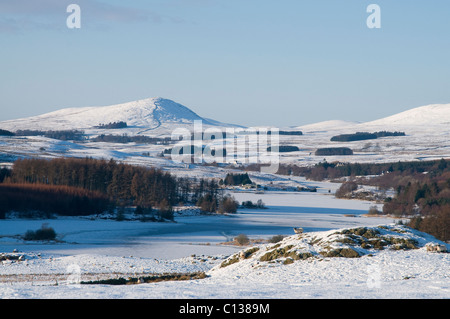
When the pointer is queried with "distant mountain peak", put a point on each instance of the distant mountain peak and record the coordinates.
(423, 115)
(148, 114)
(168, 110)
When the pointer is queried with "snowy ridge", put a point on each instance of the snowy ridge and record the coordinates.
(346, 243)
(424, 115)
(147, 114)
(426, 128)
(327, 125)
(152, 113)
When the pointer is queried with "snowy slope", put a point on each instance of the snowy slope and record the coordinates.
(327, 125)
(427, 132)
(153, 112)
(146, 114)
(387, 273)
(425, 115)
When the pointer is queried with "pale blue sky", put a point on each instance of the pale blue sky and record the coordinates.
(250, 62)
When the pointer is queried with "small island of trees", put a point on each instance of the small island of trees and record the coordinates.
(360, 136)
(331, 151)
(113, 125)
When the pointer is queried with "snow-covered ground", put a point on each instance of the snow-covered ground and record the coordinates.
(99, 249)
(387, 273)
(426, 128)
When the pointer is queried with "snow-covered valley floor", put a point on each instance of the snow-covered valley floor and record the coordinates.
(99, 249)
(401, 274)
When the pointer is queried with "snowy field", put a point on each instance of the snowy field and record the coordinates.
(96, 249)
(426, 137)
(101, 249)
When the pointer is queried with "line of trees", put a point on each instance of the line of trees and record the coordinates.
(6, 133)
(48, 200)
(290, 132)
(388, 133)
(121, 184)
(284, 148)
(360, 136)
(332, 170)
(131, 139)
(64, 135)
(113, 125)
(333, 151)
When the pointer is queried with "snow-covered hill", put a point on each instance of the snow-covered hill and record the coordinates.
(420, 116)
(147, 115)
(347, 243)
(426, 128)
